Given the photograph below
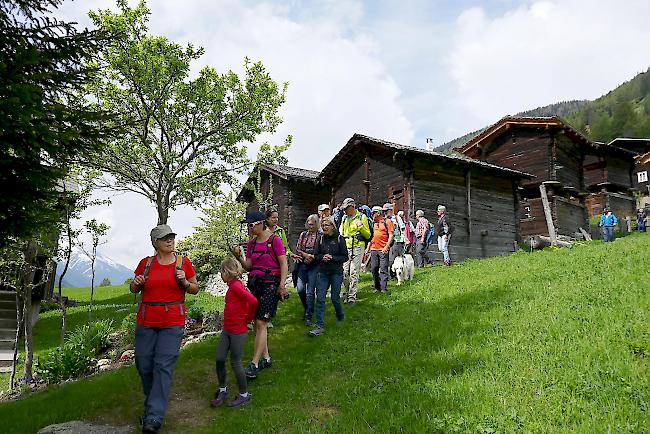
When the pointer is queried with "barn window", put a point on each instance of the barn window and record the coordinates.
(642, 176)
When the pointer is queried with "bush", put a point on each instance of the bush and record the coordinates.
(195, 312)
(128, 329)
(73, 360)
(93, 336)
(62, 363)
(105, 282)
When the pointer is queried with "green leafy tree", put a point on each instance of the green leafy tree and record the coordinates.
(105, 282)
(184, 137)
(213, 239)
(44, 64)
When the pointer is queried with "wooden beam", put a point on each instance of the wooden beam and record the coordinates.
(549, 215)
(468, 194)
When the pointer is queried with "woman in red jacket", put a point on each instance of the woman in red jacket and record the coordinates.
(239, 311)
(163, 279)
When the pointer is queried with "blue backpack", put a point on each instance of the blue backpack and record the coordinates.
(431, 235)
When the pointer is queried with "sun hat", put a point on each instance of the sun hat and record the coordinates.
(377, 208)
(161, 231)
(347, 202)
(388, 207)
(323, 207)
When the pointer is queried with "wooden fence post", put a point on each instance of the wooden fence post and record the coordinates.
(549, 215)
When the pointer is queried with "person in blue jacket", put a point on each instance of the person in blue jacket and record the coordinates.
(607, 222)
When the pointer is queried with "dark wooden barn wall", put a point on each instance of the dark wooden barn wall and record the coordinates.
(568, 161)
(303, 200)
(641, 186)
(569, 216)
(384, 178)
(619, 172)
(526, 150)
(594, 171)
(492, 228)
(533, 220)
(621, 204)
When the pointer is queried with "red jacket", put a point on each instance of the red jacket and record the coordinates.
(240, 308)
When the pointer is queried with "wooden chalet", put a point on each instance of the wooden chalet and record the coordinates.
(641, 171)
(480, 197)
(296, 192)
(564, 162)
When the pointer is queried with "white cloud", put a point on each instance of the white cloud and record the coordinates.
(544, 52)
(337, 84)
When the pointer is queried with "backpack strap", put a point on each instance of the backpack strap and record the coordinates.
(147, 266)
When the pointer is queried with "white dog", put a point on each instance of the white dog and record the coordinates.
(403, 267)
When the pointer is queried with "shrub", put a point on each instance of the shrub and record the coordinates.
(62, 363)
(195, 312)
(94, 336)
(128, 329)
(105, 282)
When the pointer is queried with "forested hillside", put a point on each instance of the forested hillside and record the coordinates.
(623, 112)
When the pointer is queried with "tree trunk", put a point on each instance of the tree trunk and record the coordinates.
(19, 327)
(63, 306)
(92, 285)
(163, 212)
(29, 347)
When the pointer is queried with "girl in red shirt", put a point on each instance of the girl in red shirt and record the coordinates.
(239, 311)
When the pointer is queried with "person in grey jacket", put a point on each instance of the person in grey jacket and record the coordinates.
(331, 253)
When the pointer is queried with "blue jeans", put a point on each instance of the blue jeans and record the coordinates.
(156, 352)
(324, 282)
(307, 283)
(640, 226)
(608, 233)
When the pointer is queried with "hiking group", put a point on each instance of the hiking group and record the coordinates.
(328, 255)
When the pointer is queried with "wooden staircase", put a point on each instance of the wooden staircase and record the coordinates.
(8, 326)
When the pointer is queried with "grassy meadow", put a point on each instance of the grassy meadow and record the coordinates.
(553, 341)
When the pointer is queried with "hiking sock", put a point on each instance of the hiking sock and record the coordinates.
(223, 389)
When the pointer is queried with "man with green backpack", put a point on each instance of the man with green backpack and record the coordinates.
(356, 231)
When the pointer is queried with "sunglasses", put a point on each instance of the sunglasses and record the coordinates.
(250, 225)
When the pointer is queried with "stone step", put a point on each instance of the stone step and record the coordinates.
(6, 344)
(6, 359)
(8, 313)
(8, 323)
(8, 304)
(6, 333)
(7, 295)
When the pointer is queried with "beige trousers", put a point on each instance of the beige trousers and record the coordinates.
(351, 270)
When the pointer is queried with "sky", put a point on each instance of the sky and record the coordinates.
(401, 71)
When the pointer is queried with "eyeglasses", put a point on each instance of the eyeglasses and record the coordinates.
(250, 225)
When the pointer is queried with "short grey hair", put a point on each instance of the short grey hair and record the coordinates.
(419, 213)
(442, 208)
(313, 217)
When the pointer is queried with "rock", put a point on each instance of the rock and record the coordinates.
(78, 427)
(212, 322)
(127, 355)
(103, 362)
(114, 338)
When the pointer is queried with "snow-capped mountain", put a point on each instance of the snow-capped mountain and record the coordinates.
(79, 271)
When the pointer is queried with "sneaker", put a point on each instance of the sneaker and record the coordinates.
(340, 320)
(219, 398)
(240, 401)
(351, 303)
(269, 325)
(250, 326)
(316, 331)
(251, 370)
(264, 363)
(308, 323)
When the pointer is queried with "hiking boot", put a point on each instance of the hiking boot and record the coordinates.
(240, 400)
(251, 370)
(219, 398)
(316, 331)
(264, 363)
(351, 303)
(308, 323)
(340, 320)
(150, 426)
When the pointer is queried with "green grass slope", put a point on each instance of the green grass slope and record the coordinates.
(553, 341)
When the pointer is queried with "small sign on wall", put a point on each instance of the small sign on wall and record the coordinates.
(642, 176)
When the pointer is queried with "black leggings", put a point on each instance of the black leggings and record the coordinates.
(233, 343)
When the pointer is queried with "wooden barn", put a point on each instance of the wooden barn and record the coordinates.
(641, 171)
(481, 198)
(608, 178)
(296, 192)
(566, 165)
